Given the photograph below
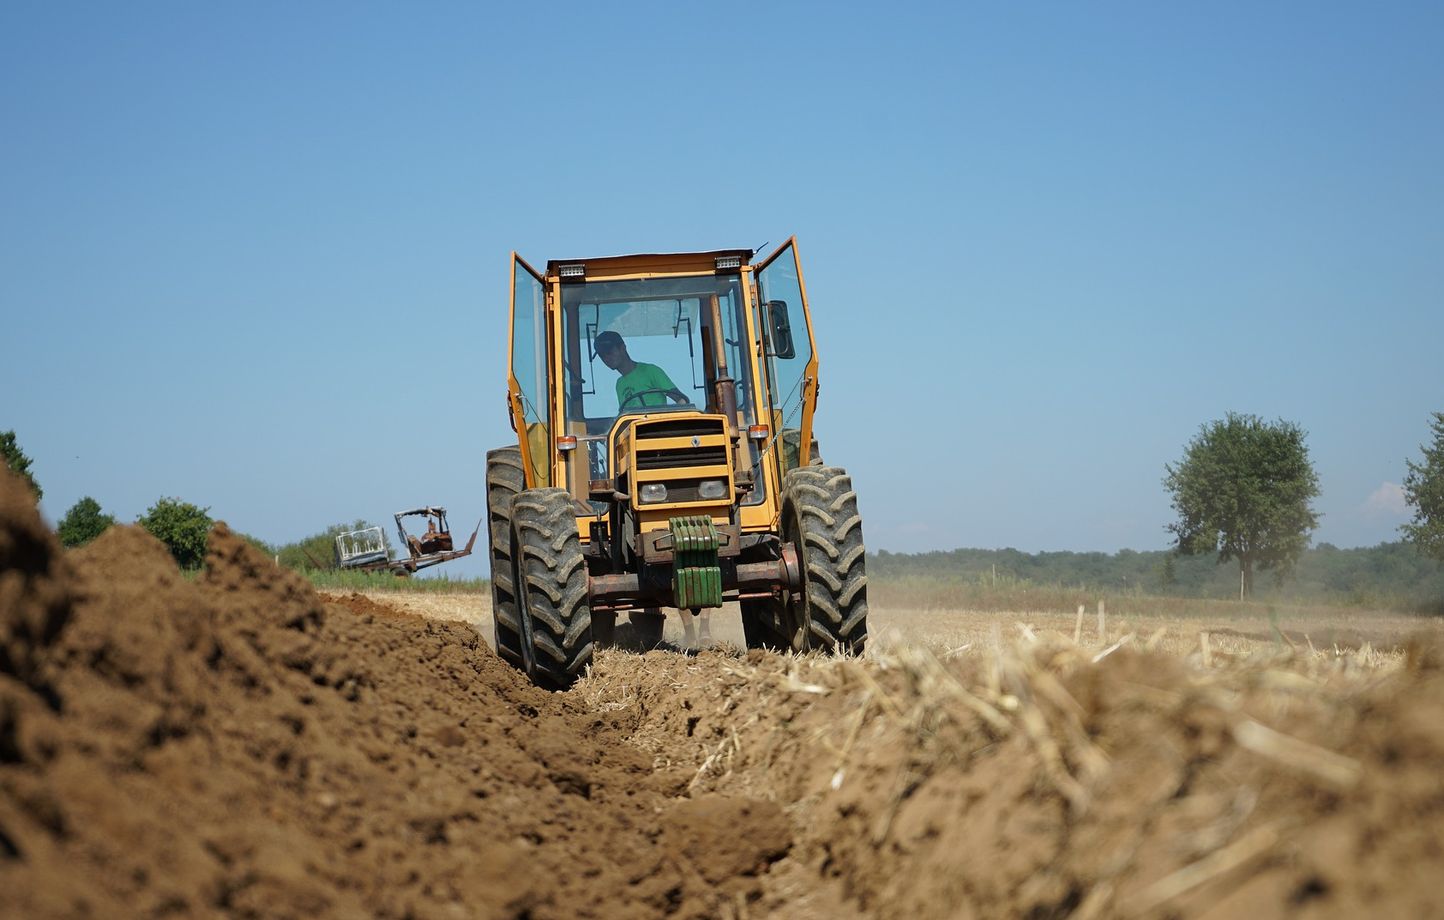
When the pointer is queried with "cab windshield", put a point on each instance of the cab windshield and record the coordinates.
(646, 346)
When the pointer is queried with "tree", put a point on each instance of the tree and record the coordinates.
(182, 527)
(1424, 490)
(1243, 490)
(18, 463)
(83, 522)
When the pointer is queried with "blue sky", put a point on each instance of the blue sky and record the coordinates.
(255, 256)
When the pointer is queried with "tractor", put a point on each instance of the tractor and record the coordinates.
(665, 458)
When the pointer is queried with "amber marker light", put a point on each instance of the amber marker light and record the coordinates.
(567, 442)
(758, 432)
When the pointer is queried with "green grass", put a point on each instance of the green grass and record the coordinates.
(333, 580)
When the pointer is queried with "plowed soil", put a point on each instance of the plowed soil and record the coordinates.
(236, 745)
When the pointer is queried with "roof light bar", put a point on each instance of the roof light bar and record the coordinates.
(729, 263)
(572, 271)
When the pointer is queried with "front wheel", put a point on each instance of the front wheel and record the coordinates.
(504, 481)
(820, 518)
(550, 576)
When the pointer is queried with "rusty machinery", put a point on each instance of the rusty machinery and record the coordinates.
(365, 550)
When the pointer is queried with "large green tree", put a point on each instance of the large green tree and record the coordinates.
(1424, 491)
(1244, 489)
(182, 527)
(83, 522)
(18, 462)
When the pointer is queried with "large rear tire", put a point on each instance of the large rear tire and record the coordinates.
(504, 481)
(551, 578)
(820, 518)
(792, 449)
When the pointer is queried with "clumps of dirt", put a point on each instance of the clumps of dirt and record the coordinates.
(34, 589)
(1032, 780)
(722, 838)
(231, 745)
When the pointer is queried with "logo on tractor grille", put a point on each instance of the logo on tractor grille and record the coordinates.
(696, 441)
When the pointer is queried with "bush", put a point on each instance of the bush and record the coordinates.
(83, 522)
(182, 527)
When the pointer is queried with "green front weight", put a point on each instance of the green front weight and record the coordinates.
(696, 576)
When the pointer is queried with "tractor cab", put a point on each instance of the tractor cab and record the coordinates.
(662, 335)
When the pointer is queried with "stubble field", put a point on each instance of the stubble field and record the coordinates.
(1220, 630)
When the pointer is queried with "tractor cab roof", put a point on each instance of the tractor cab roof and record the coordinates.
(672, 263)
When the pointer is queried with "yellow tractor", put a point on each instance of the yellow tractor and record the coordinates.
(665, 458)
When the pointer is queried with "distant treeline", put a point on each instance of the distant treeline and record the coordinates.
(1390, 574)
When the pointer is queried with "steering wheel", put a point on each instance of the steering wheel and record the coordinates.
(640, 393)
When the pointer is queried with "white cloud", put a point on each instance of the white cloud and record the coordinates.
(1387, 499)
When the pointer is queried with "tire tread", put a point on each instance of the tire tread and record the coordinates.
(555, 577)
(823, 503)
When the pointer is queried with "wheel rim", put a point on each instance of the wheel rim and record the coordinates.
(796, 615)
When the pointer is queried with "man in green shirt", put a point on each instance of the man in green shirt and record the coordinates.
(641, 385)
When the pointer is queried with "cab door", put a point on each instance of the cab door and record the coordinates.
(528, 395)
(790, 360)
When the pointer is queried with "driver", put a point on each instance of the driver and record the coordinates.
(643, 384)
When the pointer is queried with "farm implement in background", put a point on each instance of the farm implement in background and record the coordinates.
(365, 550)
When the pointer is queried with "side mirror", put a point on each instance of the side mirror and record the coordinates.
(779, 329)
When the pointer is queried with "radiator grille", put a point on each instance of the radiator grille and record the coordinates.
(714, 455)
(679, 428)
(684, 458)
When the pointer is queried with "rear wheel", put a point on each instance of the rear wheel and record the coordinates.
(820, 518)
(792, 448)
(504, 480)
(551, 578)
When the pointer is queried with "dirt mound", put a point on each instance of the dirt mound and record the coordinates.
(1032, 781)
(233, 746)
(34, 589)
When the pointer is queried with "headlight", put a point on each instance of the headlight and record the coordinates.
(652, 492)
(712, 488)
